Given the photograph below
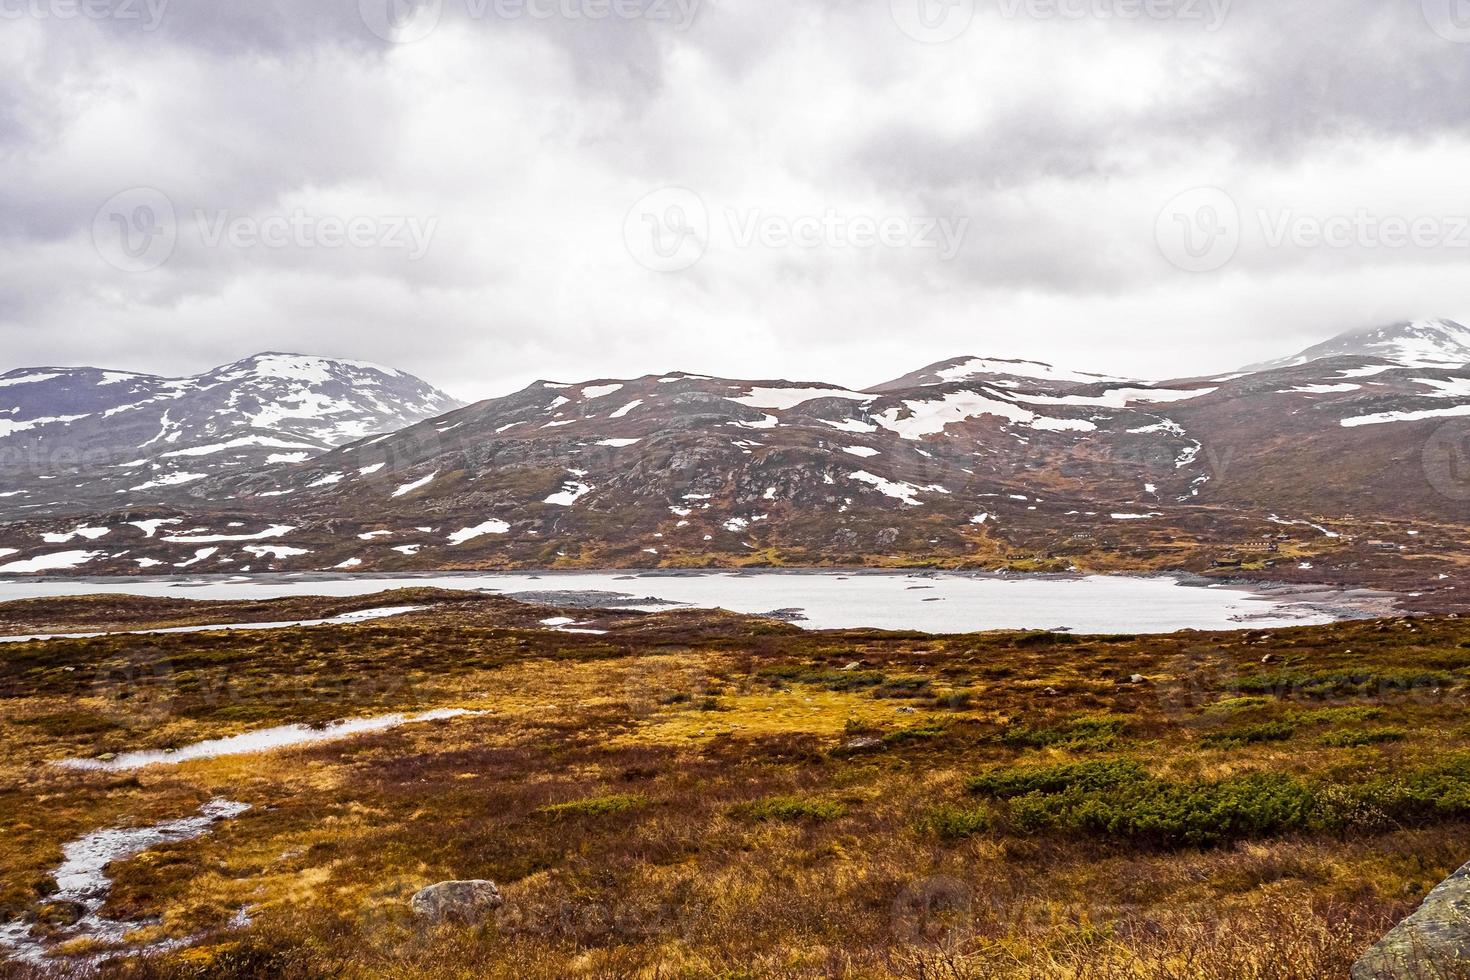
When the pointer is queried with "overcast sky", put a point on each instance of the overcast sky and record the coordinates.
(486, 192)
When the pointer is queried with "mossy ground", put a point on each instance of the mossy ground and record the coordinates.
(680, 797)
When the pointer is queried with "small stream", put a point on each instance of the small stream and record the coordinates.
(82, 881)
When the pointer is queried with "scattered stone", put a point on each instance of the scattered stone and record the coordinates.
(1051, 692)
(907, 711)
(465, 902)
(1269, 658)
(852, 666)
(863, 743)
(1430, 943)
(107, 757)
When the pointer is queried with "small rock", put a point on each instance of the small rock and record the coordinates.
(1051, 692)
(852, 666)
(1269, 658)
(107, 757)
(907, 711)
(864, 743)
(466, 902)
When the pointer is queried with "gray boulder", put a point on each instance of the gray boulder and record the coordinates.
(466, 902)
(1433, 942)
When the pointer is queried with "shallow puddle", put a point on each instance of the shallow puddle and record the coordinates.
(361, 616)
(264, 740)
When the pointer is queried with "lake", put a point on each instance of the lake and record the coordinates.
(931, 602)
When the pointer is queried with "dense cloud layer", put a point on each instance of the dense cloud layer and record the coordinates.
(490, 191)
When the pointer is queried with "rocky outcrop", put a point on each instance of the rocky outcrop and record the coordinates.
(1432, 943)
(465, 902)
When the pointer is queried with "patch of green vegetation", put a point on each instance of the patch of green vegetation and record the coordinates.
(1342, 683)
(1081, 735)
(1271, 731)
(1338, 716)
(1357, 737)
(789, 809)
(953, 822)
(923, 733)
(1170, 814)
(595, 806)
(1230, 705)
(1004, 784)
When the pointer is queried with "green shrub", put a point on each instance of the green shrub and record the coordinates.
(1342, 683)
(1082, 734)
(1169, 814)
(923, 733)
(1004, 784)
(1271, 731)
(1354, 738)
(953, 823)
(1338, 716)
(1238, 704)
(791, 809)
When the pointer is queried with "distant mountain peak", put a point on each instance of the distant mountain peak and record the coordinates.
(968, 368)
(1410, 343)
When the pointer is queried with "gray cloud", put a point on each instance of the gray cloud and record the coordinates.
(525, 141)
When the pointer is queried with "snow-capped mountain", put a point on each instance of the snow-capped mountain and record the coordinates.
(82, 436)
(1422, 343)
(985, 462)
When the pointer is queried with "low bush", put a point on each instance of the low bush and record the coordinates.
(1355, 738)
(1082, 735)
(791, 809)
(1004, 784)
(1271, 731)
(953, 823)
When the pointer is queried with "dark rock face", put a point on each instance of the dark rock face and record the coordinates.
(1433, 942)
(465, 902)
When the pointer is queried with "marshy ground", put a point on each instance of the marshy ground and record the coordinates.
(696, 794)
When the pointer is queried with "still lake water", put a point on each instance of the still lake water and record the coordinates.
(932, 602)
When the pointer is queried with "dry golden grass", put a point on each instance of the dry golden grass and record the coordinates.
(675, 799)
